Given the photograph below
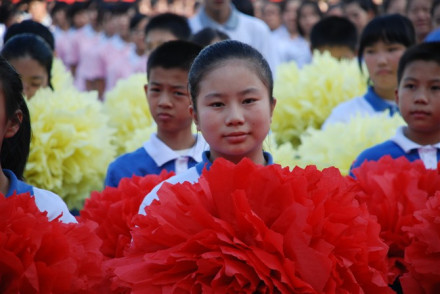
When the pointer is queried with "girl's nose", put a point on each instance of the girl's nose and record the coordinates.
(234, 116)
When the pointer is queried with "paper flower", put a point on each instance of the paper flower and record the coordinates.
(393, 190)
(339, 144)
(71, 144)
(252, 229)
(423, 254)
(306, 97)
(126, 105)
(38, 256)
(113, 210)
(61, 77)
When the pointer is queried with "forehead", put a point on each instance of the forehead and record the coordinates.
(175, 76)
(422, 68)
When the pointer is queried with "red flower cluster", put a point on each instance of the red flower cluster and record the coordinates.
(397, 191)
(113, 210)
(38, 256)
(246, 228)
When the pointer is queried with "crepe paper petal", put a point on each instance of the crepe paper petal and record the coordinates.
(247, 228)
(71, 144)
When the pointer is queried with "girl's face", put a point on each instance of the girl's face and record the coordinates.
(33, 74)
(357, 16)
(289, 16)
(382, 60)
(307, 19)
(8, 127)
(234, 112)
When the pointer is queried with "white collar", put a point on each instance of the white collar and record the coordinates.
(161, 153)
(406, 144)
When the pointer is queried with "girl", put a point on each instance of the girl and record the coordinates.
(32, 58)
(360, 12)
(308, 15)
(15, 138)
(382, 43)
(232, 105)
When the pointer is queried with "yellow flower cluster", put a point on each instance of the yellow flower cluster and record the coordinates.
(306, 97)
(338, 144)
(61, 77)
(71, 144)
(127, 107)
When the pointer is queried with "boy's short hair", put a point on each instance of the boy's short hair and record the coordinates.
(421, 52)
(176, 24)
(334, 31)
(173, 54)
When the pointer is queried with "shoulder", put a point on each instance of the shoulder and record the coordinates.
(191, 175)
(376, 152)
(345, 111)
(52, 204)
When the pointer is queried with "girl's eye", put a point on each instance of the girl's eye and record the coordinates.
(369, 51)
(435, 87)
(409, 86)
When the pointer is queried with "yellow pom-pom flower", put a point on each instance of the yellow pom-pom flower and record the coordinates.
(71, 144)
(306, 97)
(339, 144)
(61, 76)
(126, 105)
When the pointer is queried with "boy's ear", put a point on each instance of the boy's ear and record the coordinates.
(272, 107)
(13, 125)
(194, 116)
(396, 96)
(146, 89)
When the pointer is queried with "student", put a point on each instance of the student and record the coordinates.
(326, 36)
(394, 6)
(382, 43)
(434, 35)
(15, 130)
(237, 25)
(165, 27)
(419, 12)
(32, 58)
(271, 14)
(232, 105)
(418, 97)
(360, 12)
(308, 15)
(173, 147)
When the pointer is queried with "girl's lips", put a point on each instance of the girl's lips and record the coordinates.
(236, 137)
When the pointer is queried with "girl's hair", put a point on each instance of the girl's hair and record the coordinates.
(31, 45)
(393, 28)
(15, 150)
(205, 36)
(217, 54)
(300, 11)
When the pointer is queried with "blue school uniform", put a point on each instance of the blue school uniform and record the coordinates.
(192, 175)
(45, 200)
(367, 105)
(153, 157)
(399, 146)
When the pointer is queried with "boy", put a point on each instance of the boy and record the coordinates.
(335, 34)
(173, 147)
(418, 98)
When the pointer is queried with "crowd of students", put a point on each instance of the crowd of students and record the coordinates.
(214, 65)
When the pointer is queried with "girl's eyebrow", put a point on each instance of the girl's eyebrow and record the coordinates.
(250, 90)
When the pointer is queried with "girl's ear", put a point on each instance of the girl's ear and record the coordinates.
(194, 116)
(272, 107)
(13, 125)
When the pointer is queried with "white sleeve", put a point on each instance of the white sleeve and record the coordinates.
(53, 204)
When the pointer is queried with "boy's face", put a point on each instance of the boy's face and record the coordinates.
(169, 100)
(418, 97)
(338, 52)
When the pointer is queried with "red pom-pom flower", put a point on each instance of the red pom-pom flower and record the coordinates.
(393, 190)
(38, 256)
(113, 210)
(247, 228)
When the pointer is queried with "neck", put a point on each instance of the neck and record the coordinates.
(422, 138)
(387, 94)
(4, 183)
(256, 157)
(219, 15)
(180, 141)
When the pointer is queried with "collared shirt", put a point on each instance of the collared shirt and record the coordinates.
(368, 105)
(399, 146)
(192, 175)
(240, 27)
(46, 201)
(153, 157)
